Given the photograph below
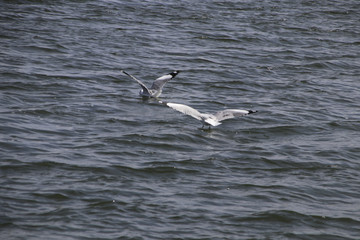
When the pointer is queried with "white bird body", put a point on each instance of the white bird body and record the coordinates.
(156, 88)
(209, 119)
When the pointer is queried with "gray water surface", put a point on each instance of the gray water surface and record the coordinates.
(82, 156)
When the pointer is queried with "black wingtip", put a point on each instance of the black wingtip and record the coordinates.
(162, 102)
(252, 111)
(174, 73)
(122, 71)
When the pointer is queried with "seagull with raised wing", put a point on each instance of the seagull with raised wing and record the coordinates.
(155, 90)
(209, 119)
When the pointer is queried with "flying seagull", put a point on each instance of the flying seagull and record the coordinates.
(156, 87)
(209, 119)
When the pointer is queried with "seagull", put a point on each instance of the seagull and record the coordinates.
(209, 119)
(156, 87)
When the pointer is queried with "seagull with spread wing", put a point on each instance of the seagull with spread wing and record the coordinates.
(155, 90)
(209, 119)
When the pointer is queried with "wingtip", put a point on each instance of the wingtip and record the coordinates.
(163, 102)
(252, 111)
(174, 73)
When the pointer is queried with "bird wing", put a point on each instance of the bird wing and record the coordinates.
(232, 113)
(160, 82)
(142, 85)
(185, 110)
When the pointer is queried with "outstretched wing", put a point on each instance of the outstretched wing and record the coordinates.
(232, 113)
(160, 82)
(145, 89)
(185, 110)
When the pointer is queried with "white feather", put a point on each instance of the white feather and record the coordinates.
(209, 119)
(185, 110)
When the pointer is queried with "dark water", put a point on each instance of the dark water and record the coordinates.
(83, 157)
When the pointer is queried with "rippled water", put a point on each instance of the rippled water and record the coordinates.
(84, 157)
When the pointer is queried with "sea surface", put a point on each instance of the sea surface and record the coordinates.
(83, 156)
